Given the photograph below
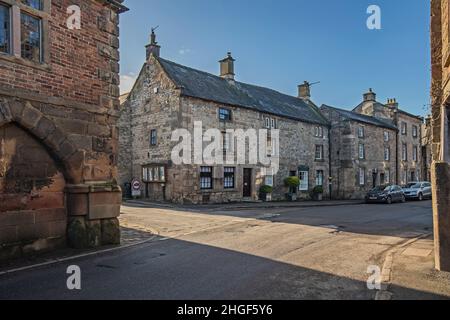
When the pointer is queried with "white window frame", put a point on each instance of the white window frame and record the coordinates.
(387, 154)
(321, 152)
(362, 176)
(361, 132)
(386, 136)
(320, 178)
(304, 180)
(361, 151)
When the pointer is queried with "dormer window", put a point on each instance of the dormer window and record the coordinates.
(224, 114)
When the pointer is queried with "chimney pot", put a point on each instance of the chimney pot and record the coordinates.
(370, 96)
(304, 90)
(153, 48)
(227, 67)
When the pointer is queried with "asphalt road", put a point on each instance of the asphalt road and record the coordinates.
(289, 253)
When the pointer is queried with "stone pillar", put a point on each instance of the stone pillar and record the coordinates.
(441, 214)
(93, 211)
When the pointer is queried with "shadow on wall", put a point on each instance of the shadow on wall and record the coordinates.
(32, 198)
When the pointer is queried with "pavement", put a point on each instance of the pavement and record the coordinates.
(253, 253)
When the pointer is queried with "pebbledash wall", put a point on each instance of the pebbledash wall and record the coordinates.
(156, 103)
(58, 136)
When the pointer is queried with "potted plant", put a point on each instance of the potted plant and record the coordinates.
(265, 193)
(292, 183)
(317, 193)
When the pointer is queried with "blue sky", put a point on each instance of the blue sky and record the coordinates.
(279, 44)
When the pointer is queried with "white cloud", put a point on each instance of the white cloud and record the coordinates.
(127, 82)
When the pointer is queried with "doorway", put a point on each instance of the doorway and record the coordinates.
(247, 185)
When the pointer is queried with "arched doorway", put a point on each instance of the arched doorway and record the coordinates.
(32, 200)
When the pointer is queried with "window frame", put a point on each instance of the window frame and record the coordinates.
(404, 152)
(153, 138)
(304, 183)
(9, 39)
(361, 132)
(387, 154)
(320, 148)
(387, 136)
(361, 151)
(17, 8)
(362, 176)
(229, 172)
(155, 173)
(415, 153)
(415, 131)
(320, 178)
(206, 172)
(229, 118)
(404, 128)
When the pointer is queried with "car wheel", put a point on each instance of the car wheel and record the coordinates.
(389, 200)
(420, 197)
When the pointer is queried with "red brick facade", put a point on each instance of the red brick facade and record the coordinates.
(58, 136)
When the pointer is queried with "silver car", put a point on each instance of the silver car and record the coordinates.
(418, 191)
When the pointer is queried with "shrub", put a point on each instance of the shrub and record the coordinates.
(317, 190)
(265, 189)
(292, 182)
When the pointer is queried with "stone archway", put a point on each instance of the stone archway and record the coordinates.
(90, 209)
(32, 194)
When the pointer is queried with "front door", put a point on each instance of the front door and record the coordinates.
(247, 186)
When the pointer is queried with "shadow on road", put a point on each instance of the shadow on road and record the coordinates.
(175, 269)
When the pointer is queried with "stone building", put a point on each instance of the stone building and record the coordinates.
(168, 96)
(409, 139)
(58, 112)
(363, 152)
(440, 102)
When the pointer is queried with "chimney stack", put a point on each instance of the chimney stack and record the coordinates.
(370, 96)
(392, 103)
(304, 91)
(153, 48)
(227, 67)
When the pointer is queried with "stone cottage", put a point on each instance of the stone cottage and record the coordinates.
(168, 96)
(409, 139)
(363, 152)
(58, 139)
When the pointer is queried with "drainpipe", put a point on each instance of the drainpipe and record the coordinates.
(330, 181)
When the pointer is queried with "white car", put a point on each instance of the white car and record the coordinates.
(418, 191)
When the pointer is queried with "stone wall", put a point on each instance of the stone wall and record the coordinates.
(66, 109)
(440, 99)
(155, 103)
(345, 161)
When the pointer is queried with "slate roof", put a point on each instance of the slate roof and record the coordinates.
(351, 115)
(203, 85)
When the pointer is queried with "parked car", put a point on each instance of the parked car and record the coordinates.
(418, 190)
(389, 194)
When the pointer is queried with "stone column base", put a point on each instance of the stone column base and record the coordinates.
(440, 175)
(93, 211)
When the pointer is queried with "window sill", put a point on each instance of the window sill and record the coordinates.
(24, 62)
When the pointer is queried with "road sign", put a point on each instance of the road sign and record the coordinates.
(136, 188)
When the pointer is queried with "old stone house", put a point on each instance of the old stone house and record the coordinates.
(409, 139)
(168, 96)
(440, 102)
(58, 112)
(363, 152)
